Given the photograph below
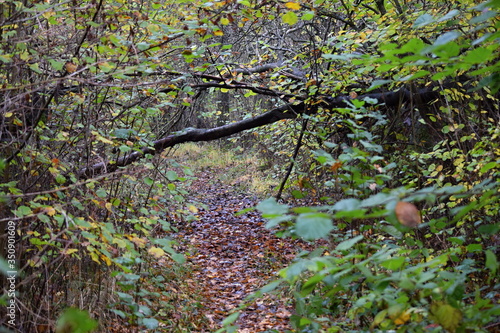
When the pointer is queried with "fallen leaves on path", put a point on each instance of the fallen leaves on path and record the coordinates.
(233, 256)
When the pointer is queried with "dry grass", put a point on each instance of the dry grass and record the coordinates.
(243, 171)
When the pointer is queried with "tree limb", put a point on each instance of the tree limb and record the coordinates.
(195, 135)
(288, 111)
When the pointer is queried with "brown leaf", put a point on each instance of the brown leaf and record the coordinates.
(70, 67)
(408, 214)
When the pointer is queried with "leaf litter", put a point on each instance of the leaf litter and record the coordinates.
(233, 255)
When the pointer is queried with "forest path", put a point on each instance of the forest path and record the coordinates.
(234, 255)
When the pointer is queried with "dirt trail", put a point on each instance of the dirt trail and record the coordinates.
(235, 255)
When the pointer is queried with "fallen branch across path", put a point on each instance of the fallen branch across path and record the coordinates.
(288, 111)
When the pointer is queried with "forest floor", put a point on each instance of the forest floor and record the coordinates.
(234, 255)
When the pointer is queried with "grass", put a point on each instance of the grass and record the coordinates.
(242, 170)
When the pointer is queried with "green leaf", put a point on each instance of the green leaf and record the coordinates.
(311, 283)
(35, 68)
(451, 50)
(231, 318)
(489, 229)
(275, 221)
(414, 45)
(491, 262)
(270, 208)
(82, 223)
(101, 193)
(150, 323)
(379, 318)
(393, 231)
(485, 16)
(270, 287)
(290, 18)
(125, 148)
(489, 166)
(121, 314)
(447, 37)
(75, 321)
(347, 205)
(446, 316)
(3, 165)
(60, 179)
(5, 58)
(474, 247)
(172, 175)
(123, 133)
(342, 57)
(106, 67)
(298, 194)
(416, 75)
(349, 243)
(308, 15)
(143, 46)
(23, 211)
(376, 200)
(493, 81)
(451, 14)
(394, 263)
(148, 181)
(457, 240)
(178, 258)
(311, 226)
(351, 214)
(57, 65)
(423, 20)
(478, 56)
(378, 83)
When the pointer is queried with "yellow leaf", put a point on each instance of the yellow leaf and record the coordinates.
(8, 114)
(35, 262)
(218, 33)
(106, 260)
(402, 318)
(101, 138)
(94, 257)
(137, 241)
(156, 252)
(398, 314)
(69, 251)
(193, 209)
(48, 14)
(120, 242)
(50, 211)
(108, 206)
(293, 5)
(224, 21)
